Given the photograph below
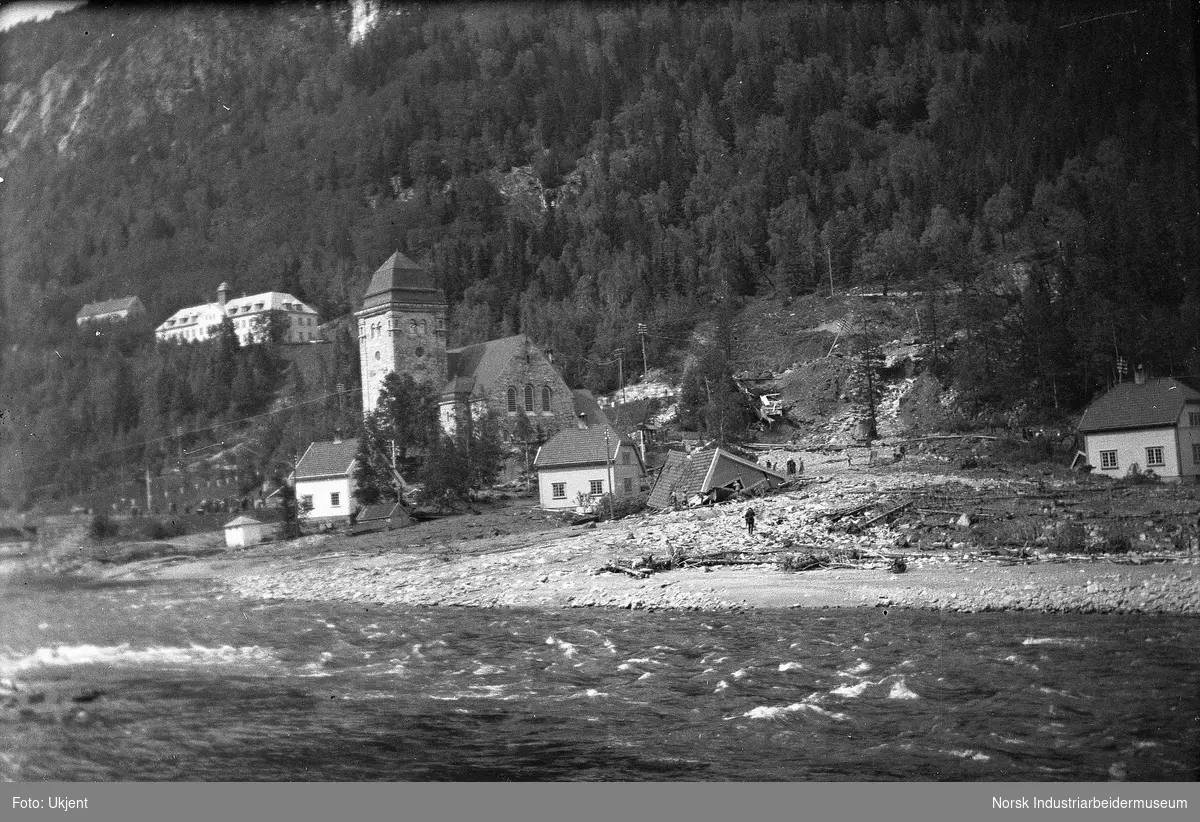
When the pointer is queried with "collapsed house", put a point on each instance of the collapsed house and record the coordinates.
(709, 476)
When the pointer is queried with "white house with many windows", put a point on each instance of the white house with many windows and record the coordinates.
(197, 323)
(324, 480)
(1151, 424)
(579, 466)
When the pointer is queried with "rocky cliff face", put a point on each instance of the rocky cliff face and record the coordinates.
(112, 74)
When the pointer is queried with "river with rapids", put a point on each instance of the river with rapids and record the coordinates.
(180, 681)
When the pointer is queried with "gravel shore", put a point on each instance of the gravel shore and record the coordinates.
(560, 582)
(563, 567)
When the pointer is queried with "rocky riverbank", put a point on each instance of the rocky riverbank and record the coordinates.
(715, 565)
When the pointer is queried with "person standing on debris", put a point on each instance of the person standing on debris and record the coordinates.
(750, 521)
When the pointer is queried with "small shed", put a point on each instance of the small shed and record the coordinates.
(245, 531)
(382, 516)
(708, 476)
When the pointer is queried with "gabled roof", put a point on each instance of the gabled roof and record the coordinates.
(401, 280)
(209, 313)
(109, 307)
(1152, 404)
(327, 459)
(682, 474)
(242, 520)
(688, 474)
(269, 301)
(248, 306)
(580, 446)
(585, 403)
(484, 362)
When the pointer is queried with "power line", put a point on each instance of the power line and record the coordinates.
(1101, 17)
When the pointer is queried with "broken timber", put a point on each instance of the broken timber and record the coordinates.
(885, 515)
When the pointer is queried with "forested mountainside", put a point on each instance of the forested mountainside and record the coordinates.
(571, 170)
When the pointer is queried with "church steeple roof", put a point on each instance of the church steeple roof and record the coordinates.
(401, 280)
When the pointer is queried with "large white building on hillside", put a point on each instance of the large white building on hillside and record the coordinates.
(249, 314)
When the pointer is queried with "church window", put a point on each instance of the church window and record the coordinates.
(545, 398)
(412, 326)
(512, 400)
(528, 397)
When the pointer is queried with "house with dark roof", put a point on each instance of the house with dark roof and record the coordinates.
(324, 480)
(1152, 424)
(579, 466)
(706, 476)
(402, 329)
(118, 310)
(382, 516)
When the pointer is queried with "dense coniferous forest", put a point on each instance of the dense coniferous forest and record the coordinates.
(569, 171)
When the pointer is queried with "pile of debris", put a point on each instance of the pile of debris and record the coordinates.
(894, 520)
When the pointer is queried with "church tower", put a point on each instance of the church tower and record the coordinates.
(401, 328)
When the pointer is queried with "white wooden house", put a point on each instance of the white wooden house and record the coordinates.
(579, 466)
(325, 481)
(1152, 424)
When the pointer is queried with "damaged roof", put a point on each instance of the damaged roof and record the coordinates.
(700, 471)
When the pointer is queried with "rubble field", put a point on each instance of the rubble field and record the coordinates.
(909, 535)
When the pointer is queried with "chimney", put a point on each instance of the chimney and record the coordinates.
(1139, 375)
(222, 294)
(583, 419)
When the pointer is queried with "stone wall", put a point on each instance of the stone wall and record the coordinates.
(532, 368)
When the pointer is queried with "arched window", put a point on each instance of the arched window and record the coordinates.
(545, 398)
(512, 400)
(528, 397)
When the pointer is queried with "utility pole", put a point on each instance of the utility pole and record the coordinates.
(642, 333)
(608, 461)
(620, 352)
(829, 263)
(148, 501)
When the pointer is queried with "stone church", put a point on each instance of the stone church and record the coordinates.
(402, 328)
